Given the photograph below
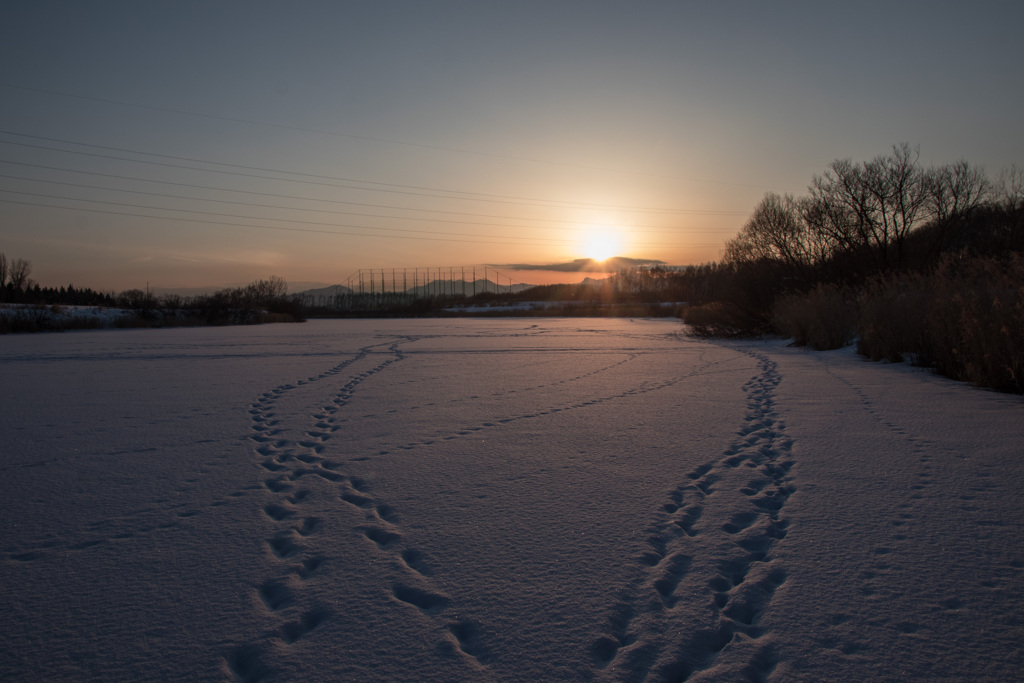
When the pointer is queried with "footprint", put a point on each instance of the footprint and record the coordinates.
(739, 522)
(747, 609)
(689, 518)
(425, 601)
(699, 472)
(357, 500)
(658, 545)
(386, 513)
(278, 513)
(603, 651)
(298, 496)
(754, 487)
(310, 566)
(758, 544)
(310, 525)
(415, 561)
(705, 485)
(772, 501)
(468, 635)
(294, 630)
(283, 546)
(676, 568)
(383, 538)
(734, 572)
(246, 663)
(275, 594)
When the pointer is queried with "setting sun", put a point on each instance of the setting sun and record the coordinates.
(601, 244)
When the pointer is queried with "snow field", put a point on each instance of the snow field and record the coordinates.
(499, 500)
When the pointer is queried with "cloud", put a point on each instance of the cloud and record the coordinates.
(163, 259)
(585, 265)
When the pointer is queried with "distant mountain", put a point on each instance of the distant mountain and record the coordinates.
(328, 291)
(299, 287)
(467, 287)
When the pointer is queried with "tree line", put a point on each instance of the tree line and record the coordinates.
(32, 308)
(17, 287)
(920, 264)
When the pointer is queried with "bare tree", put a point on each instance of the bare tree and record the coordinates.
(1011, 188)
(955, 189)
(897, 185)
(778, 232)
(18, 272)
(265, 292)
(872, 206)
(838, 206)
(3, 269)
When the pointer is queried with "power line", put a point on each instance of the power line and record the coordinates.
(343, 179)
(258, 218)
(434, 193)
(293, 208)
(281, 228)
(441, 148)
(246, 225)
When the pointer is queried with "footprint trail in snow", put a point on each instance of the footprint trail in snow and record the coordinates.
(709, 573)
(500, 500)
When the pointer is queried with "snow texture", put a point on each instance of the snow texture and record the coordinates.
(499, 500)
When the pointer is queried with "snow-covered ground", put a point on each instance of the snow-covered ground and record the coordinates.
(499, 500)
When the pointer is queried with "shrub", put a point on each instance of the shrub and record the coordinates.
(891, 312)
(723, 319)
(824, 318)
(964, 319)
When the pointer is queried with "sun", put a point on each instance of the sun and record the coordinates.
(600, 244)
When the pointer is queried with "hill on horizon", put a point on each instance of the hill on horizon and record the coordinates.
(434, 287)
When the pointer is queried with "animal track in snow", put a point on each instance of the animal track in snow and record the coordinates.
(717, 511)
(288, 462)
(468, 637)
(293, 630)
(159, 519)
(429, 603)
(302, 462)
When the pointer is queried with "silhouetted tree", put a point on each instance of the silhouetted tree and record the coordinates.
(955, 189)
(870, 207)
(18, 272)
(858, 222)
(265, 293)
(1011, 188)
(779, 231)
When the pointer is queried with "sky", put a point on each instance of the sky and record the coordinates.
(197, 144)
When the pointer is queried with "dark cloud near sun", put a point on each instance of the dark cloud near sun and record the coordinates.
(585, 265)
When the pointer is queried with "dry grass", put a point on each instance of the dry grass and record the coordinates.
(965, 319)
(824, 318)
(723, 319)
